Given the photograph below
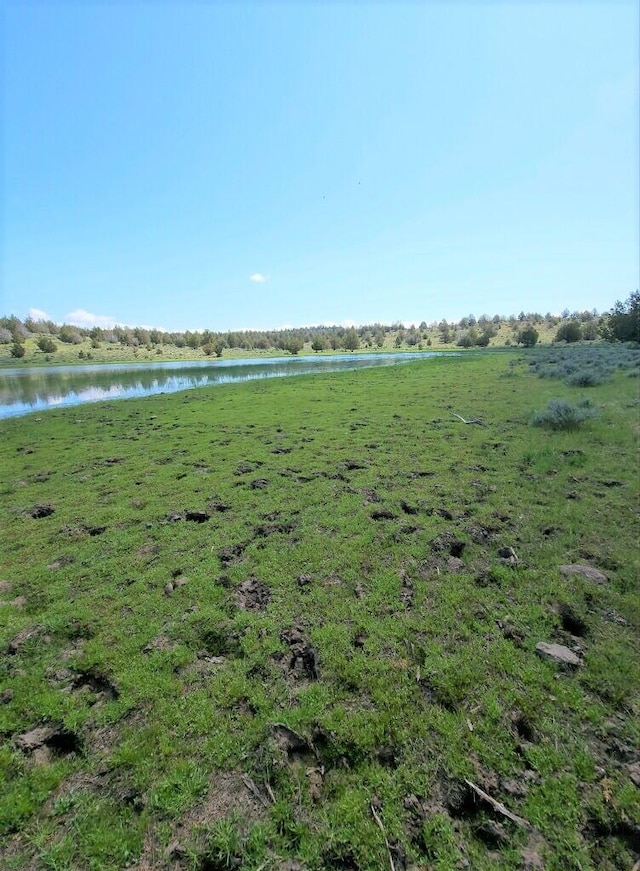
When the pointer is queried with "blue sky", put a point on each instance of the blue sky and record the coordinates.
(254, 165)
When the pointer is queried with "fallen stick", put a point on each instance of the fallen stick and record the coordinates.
(500, 808)
(384, 835)
(254, 789)
(473, 420)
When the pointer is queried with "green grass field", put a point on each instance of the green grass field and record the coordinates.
(292, 625)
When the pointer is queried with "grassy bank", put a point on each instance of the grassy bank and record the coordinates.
(292, 625)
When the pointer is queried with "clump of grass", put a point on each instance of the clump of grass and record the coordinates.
(561, 415)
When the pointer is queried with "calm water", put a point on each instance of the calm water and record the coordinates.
(37, 389)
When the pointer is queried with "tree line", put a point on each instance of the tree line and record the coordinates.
(622, 324)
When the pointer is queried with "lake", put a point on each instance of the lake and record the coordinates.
(25, 390)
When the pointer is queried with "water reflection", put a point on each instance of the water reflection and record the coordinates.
(26, 390)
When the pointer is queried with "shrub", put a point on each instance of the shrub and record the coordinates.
(47, 345)
(17, 350)
(560, 414)
(586, 378)
(528, 337)
(569, 332)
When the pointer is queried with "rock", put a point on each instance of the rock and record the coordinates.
(507, 553)
(61, 562)
(42, 755)
(634, 773)
(304, 580)
(180, 582)
(492, 833)
(168, 589)
(455, 564)
(22, 637)
(587, 572)
(531, 858)
(29, 741)
(558, 653)
(6, 696)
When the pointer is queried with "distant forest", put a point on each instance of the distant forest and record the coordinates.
(622, 323)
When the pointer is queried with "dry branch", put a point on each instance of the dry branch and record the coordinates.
(384, 835)
(473, 420)
(499, 808)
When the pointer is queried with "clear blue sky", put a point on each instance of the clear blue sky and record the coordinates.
(238, 165)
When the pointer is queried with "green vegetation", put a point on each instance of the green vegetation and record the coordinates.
(285, 624)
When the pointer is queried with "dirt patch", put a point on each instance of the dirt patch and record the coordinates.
(259, 484)
(245, 468)
(97, 685)
(570, 621)
(448, 543)
(219, 507)
(253, 595)
(39, 511)
(383, 514)
(407, 508)
(196, 516)
(480, 534)
(369, 495)
(263, 530)
(303, 660)
(353, 465)
(229, 796)
(232, 553)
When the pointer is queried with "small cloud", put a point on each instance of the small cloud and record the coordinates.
(37, 314)
(258, 277)
(81, 318)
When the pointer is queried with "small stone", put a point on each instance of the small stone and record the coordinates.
(558, 653)
(168, 589)
(455, 564)
(180, 582)
(587, 572)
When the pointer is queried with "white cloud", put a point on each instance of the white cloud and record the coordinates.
(258, 277)
(81, 318)
(38, 315)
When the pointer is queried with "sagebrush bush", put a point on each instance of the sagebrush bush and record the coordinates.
(586, 378)
(560, 414)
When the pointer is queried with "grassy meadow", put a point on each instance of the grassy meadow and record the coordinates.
(292, 624)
